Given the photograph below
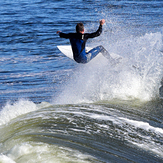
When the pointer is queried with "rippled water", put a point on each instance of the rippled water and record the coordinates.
(55, 110)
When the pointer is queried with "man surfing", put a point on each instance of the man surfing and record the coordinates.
(78, 42)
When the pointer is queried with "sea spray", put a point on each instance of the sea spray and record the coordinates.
(11, 111)
(136, 76)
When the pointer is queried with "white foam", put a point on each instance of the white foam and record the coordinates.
(136, 77)
(143, 125)
(45, 153)
(5, 159)
(11, 111)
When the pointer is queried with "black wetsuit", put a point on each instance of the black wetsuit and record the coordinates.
(78, 42)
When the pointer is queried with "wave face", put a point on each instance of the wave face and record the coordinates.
(82, 133)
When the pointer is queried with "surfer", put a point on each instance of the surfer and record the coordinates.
(78, 43)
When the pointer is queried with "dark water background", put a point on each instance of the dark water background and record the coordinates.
(55, 110)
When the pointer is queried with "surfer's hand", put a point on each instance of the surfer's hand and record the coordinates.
(58, 32)
(102, 21)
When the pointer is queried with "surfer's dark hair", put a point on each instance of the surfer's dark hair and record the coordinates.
(79, 27)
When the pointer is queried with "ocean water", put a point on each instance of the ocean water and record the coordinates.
(53, 110)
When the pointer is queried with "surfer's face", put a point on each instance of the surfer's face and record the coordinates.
(82, 32)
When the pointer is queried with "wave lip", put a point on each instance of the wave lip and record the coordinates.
(11, 111)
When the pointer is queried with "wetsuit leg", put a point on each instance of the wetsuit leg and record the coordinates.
(95, 51)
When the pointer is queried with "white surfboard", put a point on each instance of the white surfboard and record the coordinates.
(67, 51)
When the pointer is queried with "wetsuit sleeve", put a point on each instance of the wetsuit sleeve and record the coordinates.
(95, 34)
(64, 35)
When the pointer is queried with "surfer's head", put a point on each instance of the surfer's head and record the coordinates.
(80, 28)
